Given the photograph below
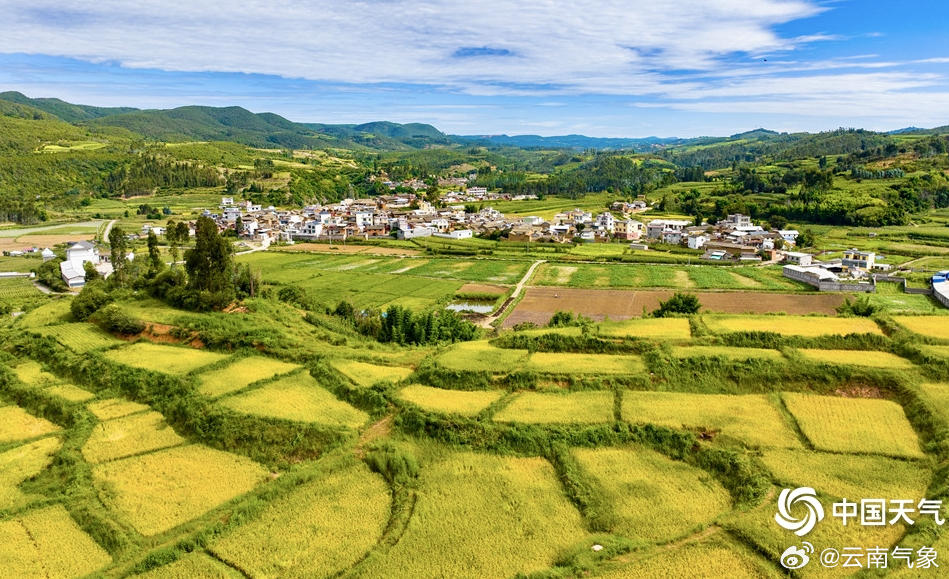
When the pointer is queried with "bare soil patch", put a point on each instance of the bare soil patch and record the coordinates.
(539, 304)
(482, 288)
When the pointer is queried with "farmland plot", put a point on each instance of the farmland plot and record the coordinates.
(933, 326)
(192, 566)
(161, 490)
(52, 313)
(18, 288)
(241, 374)
(114, 408)
(481, 515)
(572, 408)
(939, 351)
(939, 395)
(712, 559)
(808, 326)
(854, 425)
(869, 359)
(298, 397)
(20, 464)
(70, 392)
(565, 363)
(740, 354)
(167, 359)
(460, 402)
(654, 497)
(481, 356)
(129, 435)
(752, 419)
(661, 329)
(363, 374)
(18, 424)
(31, 373)
(298, 535)
(47, 543)
(80, 337)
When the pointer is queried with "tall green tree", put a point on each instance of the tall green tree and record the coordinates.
(209, 263)
(118, 247)
(155, 264)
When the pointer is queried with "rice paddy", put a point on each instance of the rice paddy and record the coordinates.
(52, 313)
(114, 408)
(168, 359)
(192, 566)
(660, 329)
(572, 364)
(653, 497)
(70, 392)
(807, 326)
(363, 374)
(938, 394)
(135, 434)
(47, 543)
(465, 403)
(938, 351)
(712, 559)
(481, 356)
(751, 419)
(21, 463)
(80, 337)
(854, 425)
(158, 491)
(298, 536)
(932, 326)
(737, 354)
(568, 408)
(869, 359)
(32, 374)
(241, 374)
(300, 398)
(18, 424)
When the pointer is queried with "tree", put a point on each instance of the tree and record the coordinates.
(679, 303)
(91, 273)
(209, 263)
(155, 264)
(239, 226)
(806, 238)
(778, 221)
(118, 248)
(92, 298)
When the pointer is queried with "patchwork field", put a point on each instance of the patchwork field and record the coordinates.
(496, 516)
(751, 419)
(363, 374)
(939, 351)
(298, 397)
(854, 425)
(573, 364)
(80, 337)
(938, 394)
(31, 373)
(135, 434)
(465, 403)
(48, 543)
(298, 536)
(167, 359)
(52, 313)
(14, 289)
(568, 408)
(241, 374)
(870, 359)
(481, 357)
(18, 424)
(21, 463)
(193, 566)
(663, 329)
(69, 392)
(654, 498)
(932, 326)
(711, 559)
(158, 491)
(726, 352)
(807, 326)
(115, 408)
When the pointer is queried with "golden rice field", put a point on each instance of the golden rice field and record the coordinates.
(114, 408)
(660, 329)
(481, 357)
(854, 425)
(176, 360)
(572, 364)
(21, 463)
(567, 331)
(939, 351)
(567, 408)
(158, 491)
(807, 326)
(715, 558)
(135, 434)
(738, 354)
(317, 530)
(654, 498)
(481, 515)
(192, 566)
(751, 419)
(80, 337)
(31, 373)
(465, 403)
(869, 359)
(932, 326)
(300, 398)
(363, 374)
(842, 475)
(18, 424)
(52, 313)
(70, 392)
(47, 543)
(241, 374)
(938, 394)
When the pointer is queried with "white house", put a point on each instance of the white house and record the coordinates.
(696, 241)
(456, 234)
(48, 254)
(76, 255)
(656, 227)
(605, 222)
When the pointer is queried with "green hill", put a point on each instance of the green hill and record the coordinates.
(61, 109)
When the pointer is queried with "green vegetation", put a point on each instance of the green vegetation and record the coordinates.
(21, 463)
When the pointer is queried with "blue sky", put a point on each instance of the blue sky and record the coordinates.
(616, 68)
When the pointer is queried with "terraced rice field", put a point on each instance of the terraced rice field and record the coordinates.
(481, 357)
(653, 497)
(48, 543)
(568, 408)
(661, 329)
(80, 337)
(52, 313)
(300, 398)
(18, 424)
(465, 403)
(32, 374)
(869, 359)
(738, 354)
(241, 374)
(938, 351)
(481, 515)
(161, 490)
(168, 359)
(932, 326)
(114, 408)
(365, 375)
(21, 463)
(69, 392)
(715, 558)
(129, 435)
(751, 419)
(854, 425)
(938, 394)
(192, 566)
(808, 326)
(573, 364)
(18, 288)
(298, 535)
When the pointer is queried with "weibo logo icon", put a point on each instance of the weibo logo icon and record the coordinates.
(805, 496)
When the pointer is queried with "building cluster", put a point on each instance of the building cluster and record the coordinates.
(854, 267)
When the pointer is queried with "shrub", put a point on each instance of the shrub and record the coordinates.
(679, 303)
(90, 300)
(115, 319)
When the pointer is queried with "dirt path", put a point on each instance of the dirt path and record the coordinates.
(488, 320)
(108, 229)
(378, 430)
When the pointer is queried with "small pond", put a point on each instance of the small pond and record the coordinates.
(476, 306)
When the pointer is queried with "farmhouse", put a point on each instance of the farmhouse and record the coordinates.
(861, 259)
(797, 258)
(76, 256)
